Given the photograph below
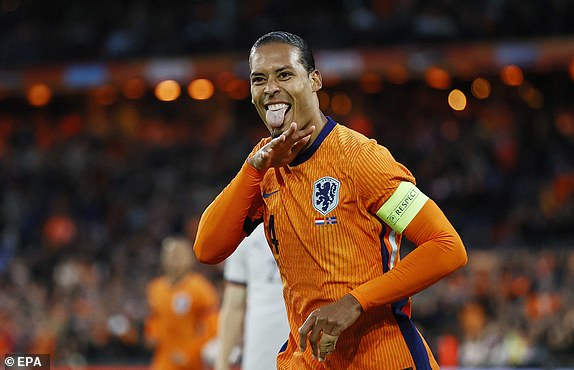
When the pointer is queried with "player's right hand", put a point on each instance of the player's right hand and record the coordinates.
(323, 326)
(283, 149)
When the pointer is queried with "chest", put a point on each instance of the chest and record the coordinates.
(309, 193)
(176, 302)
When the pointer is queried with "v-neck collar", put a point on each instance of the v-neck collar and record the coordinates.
(302, 157)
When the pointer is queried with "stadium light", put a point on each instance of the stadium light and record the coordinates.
(168, 90)
(457, 100)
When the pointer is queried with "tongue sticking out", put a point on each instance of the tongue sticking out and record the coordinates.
(275, 117)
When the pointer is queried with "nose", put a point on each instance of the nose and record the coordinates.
(271, 88)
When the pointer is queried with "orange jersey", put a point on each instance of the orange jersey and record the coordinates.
(320, 217)
(323, 220)
(183, 317)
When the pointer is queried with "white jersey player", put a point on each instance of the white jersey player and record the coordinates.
(253, 292)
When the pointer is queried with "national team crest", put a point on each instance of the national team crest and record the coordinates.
(326, 194)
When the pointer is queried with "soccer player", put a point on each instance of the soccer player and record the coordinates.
(335, 206)
(253, 292)
(183, 310)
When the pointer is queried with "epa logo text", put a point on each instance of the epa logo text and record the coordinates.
(26, 361)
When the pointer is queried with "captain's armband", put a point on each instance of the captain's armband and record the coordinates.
(400, 209)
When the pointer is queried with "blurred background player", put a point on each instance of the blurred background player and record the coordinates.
(253, 306)
(183, 310)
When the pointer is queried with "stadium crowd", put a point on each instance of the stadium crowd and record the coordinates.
(134, 29)
(88, 191)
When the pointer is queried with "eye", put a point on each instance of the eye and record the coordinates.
(284, 75)
(257, 80)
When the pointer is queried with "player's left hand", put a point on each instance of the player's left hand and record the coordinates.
(326, 325)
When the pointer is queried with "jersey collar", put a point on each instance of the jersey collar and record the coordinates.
(302, 157)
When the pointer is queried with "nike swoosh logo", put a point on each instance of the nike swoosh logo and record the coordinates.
(267, 195)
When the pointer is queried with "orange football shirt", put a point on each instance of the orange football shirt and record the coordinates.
(320, 217)
(182, 318)
(323, 219)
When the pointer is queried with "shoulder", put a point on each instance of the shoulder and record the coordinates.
(156, 285)
(349, 139)
(356, 148)
(195, 278)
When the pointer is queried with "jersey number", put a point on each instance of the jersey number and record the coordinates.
(272, 234)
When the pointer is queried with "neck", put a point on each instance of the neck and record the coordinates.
(176, 278)
(319, 123)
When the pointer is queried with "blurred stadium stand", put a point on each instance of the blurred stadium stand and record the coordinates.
(119, 123)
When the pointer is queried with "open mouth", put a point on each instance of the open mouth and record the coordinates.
(275, 114)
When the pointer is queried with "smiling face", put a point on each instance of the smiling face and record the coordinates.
(282, 90)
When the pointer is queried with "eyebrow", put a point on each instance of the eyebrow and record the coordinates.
(278, 70)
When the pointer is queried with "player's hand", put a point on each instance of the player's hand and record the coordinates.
(281, 150)
(326, 325)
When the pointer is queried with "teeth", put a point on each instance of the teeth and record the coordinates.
(274, 107)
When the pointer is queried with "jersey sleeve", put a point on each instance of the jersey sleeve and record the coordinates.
(231, 216)
(439, 251)
(389, 191)
(387, 187)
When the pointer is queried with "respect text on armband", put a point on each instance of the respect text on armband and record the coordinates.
(403, 205)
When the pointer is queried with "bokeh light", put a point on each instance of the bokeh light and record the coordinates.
(324, 99)
(512, 75)
(398, 74)
(200, 89)
(39, 95)
(480, 88)
(531, 96)
(371, 83)
(224, 80)
(168, 90)
(565, 124)
(341, 104)
(238, 89)
(457, 100)
(437, 78)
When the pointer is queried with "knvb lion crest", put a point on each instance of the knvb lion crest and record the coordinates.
(326, 194)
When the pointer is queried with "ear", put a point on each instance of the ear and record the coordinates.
(316, 80)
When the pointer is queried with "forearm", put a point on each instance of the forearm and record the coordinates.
(439, 252)
(230, 324)
(221, 226)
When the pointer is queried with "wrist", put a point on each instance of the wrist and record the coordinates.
(251, 162)
(256, 166)
(352, 303)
